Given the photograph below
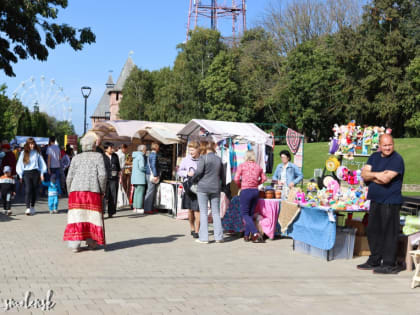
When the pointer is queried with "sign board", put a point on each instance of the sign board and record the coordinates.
(70, 139)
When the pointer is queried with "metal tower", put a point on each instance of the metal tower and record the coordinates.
(216, 10)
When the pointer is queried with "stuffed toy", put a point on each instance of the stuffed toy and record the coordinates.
(367, 140)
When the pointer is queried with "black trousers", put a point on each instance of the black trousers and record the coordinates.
(111, 195)
(31, 180)
(382, 232)
(6, 204)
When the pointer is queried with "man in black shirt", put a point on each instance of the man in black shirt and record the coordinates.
(383, 173)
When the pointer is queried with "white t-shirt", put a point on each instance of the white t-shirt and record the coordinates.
(54, 152)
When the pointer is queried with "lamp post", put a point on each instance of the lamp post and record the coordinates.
(85, 92)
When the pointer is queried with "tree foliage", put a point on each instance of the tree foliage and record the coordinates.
(325, 63)
(20, 25)
(17, 120)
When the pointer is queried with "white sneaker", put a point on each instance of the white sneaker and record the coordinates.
(4, 211)
(33, 211)
(28, 211)
(55, 211)
(9, 212)
(201, 242)
(140, 211)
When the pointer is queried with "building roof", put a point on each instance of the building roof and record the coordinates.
(125, 72)
(103, 105)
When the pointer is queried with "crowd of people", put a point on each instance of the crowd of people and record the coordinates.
(27, 167)
(91, 180)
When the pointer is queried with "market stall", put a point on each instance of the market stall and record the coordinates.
(133, 133)
(233, 139)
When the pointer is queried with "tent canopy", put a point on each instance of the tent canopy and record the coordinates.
(125, 131)
(22, 139)
(220, 130)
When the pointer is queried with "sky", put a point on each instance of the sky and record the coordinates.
(150, 29)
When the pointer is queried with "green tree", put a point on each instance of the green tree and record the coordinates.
(137, 95)
(25, 124)
(259, 69)
(20, 25)
(221, 88)
(310, 93)
(386, 47)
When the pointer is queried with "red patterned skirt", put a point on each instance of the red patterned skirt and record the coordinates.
(84, 218)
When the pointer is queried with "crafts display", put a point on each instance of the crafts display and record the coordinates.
(351, 139)
(333, 196)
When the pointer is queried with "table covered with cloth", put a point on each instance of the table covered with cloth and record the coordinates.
(268, 209)
(314, 226)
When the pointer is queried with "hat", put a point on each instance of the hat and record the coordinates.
(5, 146)
(7, 169)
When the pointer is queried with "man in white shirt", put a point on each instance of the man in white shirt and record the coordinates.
(53, 163)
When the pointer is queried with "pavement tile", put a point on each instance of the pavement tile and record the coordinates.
(152, 266)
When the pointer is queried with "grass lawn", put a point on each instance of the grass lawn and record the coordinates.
(315, 155)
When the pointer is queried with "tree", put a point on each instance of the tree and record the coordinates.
(137, 95)
(20, 22)
(310, 94)
(386, 47)
(302, 20)
(221, 88)
(259, 69)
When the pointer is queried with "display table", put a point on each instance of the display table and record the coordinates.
(168, 196)
(314, 226)
(269, 210)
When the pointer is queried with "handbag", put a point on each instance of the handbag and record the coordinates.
(153, 179)
(189, 187)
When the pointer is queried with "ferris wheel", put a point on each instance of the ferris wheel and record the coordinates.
(46, 95)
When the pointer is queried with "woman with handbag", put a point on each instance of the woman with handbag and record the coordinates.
(210, 176)
(152, 174)
(189, 199)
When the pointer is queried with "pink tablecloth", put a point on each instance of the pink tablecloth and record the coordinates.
(269, 210)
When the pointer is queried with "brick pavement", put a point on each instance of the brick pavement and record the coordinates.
(152, 266)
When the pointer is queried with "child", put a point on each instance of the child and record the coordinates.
(53, 191)
(7, 188)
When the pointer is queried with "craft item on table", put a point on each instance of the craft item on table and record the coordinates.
(367, 140)
(289, 212)
(269, 194)
(300, 196)
(342, 173)
(333, 146)
(332, 164)
(312, 186)
(293, 139)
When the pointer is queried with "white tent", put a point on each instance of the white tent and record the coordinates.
(22, 139)
(128, 130)
(220, 130)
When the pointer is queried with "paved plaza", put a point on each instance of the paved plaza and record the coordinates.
(153, 266)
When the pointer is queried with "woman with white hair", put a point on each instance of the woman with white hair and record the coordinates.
(138, 178)
(248, 176)
(86, 184)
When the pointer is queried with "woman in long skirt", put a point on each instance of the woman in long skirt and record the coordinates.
(86, 184)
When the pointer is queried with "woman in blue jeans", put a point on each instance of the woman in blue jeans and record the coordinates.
(209, 176)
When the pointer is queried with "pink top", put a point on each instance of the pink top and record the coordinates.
(249, 175)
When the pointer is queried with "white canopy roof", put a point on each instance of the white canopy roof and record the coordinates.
(127, 130)
(220, 130)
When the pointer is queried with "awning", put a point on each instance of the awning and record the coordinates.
(220, 130)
